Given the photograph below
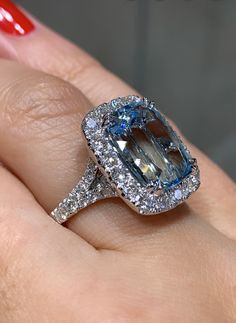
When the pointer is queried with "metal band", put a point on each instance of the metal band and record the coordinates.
(92, 187)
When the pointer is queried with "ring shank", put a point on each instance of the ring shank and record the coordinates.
(91, 188)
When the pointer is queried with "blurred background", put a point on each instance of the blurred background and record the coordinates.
(181, 53)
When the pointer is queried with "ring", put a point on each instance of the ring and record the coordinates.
(134, 154)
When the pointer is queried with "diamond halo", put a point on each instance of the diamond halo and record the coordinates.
(117, 173)
(108, 175)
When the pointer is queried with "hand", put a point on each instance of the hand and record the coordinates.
(108, 264)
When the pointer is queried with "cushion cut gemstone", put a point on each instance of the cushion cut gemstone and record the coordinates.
(148, 146)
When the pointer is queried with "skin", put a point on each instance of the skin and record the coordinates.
(107, 264)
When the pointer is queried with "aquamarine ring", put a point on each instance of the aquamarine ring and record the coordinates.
(134, 154)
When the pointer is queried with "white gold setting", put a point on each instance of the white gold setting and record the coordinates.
(107, 176)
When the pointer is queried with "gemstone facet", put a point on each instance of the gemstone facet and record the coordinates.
(151, 151)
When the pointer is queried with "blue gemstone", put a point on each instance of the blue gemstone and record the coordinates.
(148, 146)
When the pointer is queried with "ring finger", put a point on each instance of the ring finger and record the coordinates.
(64, 59)
(41, 143)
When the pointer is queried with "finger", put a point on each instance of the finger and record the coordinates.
(41, 142)
(37, 257)
(62, 58)
(43, 49)
(40, 131)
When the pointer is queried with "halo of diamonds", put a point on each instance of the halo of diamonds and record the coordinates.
(105, 155)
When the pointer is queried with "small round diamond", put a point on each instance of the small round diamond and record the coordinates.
(178, 195)
(134, 195)
(116, 103)
(121, 177)
(91, 123)
(71, 204)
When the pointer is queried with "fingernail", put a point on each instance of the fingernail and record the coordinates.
(12, 20)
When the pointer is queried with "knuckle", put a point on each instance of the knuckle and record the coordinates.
(77, 69)
(39, 104)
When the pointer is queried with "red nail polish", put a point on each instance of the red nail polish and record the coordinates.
(12, 20)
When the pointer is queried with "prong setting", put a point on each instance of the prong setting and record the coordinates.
(110, 163)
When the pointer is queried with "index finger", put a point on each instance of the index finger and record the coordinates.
(43, 49)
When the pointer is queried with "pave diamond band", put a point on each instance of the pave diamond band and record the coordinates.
(91, 188)
(136, 155)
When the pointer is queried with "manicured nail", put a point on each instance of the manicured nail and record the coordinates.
(12, 20)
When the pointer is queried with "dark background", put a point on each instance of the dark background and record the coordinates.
(181, 53)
